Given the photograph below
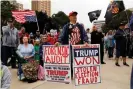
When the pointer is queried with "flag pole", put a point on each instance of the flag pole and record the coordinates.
(37, 22)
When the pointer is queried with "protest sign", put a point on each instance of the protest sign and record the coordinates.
(57, 64)
(86, 64)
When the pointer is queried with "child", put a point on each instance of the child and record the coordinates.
(36, 47)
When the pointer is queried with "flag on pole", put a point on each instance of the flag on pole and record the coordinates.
(23, 16)
(94, 15)
(115, 7)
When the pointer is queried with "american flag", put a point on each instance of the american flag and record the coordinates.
(23, 16)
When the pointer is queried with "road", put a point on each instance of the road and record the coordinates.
(112, 78)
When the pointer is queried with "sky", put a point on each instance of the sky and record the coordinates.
(81, 6)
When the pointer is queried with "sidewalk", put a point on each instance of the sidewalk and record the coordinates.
(112, 78)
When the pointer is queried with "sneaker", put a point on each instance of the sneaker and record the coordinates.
(117, 64)
(125, 64)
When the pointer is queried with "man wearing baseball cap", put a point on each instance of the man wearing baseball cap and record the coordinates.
(73, 33)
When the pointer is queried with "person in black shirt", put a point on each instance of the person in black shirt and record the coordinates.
(97, 38)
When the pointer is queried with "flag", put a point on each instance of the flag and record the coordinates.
(30, 18)
(114, 8)
(23, 16)
(94, 15)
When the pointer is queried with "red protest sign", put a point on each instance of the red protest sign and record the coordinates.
(57, 55)
(57, 64)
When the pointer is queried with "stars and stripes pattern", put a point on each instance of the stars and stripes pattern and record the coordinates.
(23, 16)
(30, 18)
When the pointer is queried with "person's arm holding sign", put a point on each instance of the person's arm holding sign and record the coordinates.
(61, 36)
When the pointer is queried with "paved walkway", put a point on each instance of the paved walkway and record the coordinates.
(112, 78)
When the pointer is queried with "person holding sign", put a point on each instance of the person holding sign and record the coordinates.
(73, 33)
(44, 42)
(96, 38)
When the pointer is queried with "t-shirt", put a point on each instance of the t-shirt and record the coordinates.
(75, 36)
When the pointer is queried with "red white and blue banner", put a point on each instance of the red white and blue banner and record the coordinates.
(86, 65)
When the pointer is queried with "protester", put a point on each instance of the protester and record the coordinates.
(106, 43)
(31, 38)
(89, 35)
(26, 49)
(36, 47)
(10, 41)
(97, 38)
(37, 36)
(5, 77)
(131, 46)
(127, 32)
(28, 52)
(44, 42)
(111, 44)
(121, 44)
(21, 34)
(73, 33)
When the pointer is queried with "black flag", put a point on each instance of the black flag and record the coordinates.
(114, 8)
(94, 15)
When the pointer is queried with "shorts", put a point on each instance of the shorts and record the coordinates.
(120, 53)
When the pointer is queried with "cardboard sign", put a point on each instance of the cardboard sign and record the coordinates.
(86, 64)
(57, 64)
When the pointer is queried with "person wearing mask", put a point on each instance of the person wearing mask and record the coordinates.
(10, 41)
(89, 35)
(121, 44)
(111, 44)
(97, 38)
(44, 42)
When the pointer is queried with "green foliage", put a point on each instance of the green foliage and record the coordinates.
(6, 9)
(117, 19)
(61, 18)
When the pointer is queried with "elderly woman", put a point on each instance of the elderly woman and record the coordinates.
(27, 53)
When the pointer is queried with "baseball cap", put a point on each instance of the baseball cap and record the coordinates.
(73, 13)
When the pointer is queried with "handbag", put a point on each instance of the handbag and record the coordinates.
(41, 73)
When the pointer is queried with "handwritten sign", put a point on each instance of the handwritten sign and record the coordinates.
(57, 64)
(86, 64)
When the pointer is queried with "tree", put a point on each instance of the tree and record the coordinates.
(6, 9)
(117, 19)
(61, 18)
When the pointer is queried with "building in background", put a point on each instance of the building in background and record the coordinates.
(42, 5)
(18, 5)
